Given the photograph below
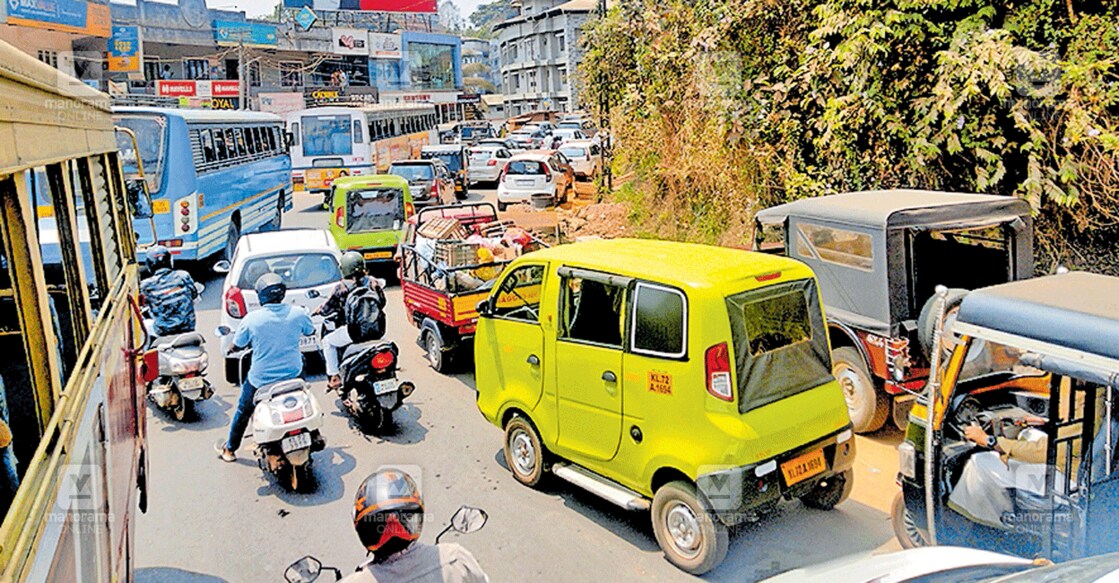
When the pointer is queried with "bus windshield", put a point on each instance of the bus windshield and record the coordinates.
(151, 139)
(327, 135)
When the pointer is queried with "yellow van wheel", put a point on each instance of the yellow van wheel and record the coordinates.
(687, 530)
(524, 453)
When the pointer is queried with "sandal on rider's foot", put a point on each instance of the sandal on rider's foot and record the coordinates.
(335, 382)
(224, 453)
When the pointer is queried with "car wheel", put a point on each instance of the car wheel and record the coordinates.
(905, 527)
(926, 322)
(501, 206)
(830, 491)
(867, 406)
(686, 529)
(524, 453)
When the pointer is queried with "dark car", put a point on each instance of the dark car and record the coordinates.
(879, 257)
(430, 181)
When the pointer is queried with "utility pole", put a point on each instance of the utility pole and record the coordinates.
(604, 119)
(240, 71)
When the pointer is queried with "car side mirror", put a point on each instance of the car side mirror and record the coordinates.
(468, 519)
(485, 308)
(221, 267)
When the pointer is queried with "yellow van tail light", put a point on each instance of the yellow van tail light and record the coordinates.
(717, 362)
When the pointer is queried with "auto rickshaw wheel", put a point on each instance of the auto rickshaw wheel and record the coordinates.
(436, 355)
(830, 491)
(687, 530)
(869, 407)
(905, 527)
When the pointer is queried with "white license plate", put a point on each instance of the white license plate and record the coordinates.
(383, 387)
(307, 342)
(191, 383)
(294, 442)
(524, 183)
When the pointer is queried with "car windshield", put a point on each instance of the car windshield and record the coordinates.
(374, 209)
(482, 153)
(453, 160)
(574, 152)
(327, 135)
(413, 172)
(298, 270)
(525, 167)
(150, 138)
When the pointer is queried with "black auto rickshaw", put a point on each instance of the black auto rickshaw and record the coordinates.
(454, 156)
(1024, 424)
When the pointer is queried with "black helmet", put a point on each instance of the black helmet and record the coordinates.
(352, 264)
(270, 289)
(388, 513)
(157, 258)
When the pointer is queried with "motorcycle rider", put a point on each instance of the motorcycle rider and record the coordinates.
(169, 294)
(353, 277)
(273, 332)
(388, 518)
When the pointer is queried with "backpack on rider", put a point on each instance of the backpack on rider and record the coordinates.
(365, 318)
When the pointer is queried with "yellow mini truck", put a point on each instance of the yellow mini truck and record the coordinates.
(691, 381)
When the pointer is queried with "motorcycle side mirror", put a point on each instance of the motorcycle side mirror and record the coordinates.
(222, 331)
(468, 519)
(221, 267)
(308, 569)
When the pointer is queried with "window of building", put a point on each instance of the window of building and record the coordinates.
(561, 44)
(49, 57)
(151, 70)
(254, 73)
(291, 74)
(196, 68)
(431, 66)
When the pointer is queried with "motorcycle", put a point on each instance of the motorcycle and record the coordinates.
(370, 390)
(286, 426)
(466, 520)
(181, 378)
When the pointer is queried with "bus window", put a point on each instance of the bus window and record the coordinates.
(208, 154)
(239, 135)
(250, 145)
(230, 143)
(258, 139)
(357, 131)
(150, 137)
(271, 133)
(219, 145)
(295, 133)
(327, 135)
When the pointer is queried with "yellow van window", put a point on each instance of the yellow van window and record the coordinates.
(593, 311)
(520, 294)
(659, 321)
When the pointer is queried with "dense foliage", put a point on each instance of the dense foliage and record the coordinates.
(722, 106)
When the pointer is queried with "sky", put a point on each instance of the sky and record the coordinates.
(260, 7)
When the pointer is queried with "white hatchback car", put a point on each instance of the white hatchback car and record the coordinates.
(585, 156)
(525, 175)
(484, 163)
(306, 259)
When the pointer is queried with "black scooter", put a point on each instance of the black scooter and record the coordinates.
(370, 390)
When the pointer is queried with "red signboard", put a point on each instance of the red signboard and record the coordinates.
(400, 5)
(226, 88)
(198, 88)
(175, 88)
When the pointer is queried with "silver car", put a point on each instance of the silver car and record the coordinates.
(484, 163)
(585, 156)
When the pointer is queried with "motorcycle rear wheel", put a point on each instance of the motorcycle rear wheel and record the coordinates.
(299, 477)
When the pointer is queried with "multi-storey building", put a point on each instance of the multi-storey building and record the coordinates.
(540, 52)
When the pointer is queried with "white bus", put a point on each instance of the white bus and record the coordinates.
(328, 142)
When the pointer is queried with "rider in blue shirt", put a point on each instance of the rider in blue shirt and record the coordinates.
(273, 332)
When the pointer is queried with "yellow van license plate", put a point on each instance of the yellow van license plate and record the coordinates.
(379, 255)
(803, 467)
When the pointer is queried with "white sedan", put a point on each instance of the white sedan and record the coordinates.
(484, 163)
(307, 261)
(585, 156)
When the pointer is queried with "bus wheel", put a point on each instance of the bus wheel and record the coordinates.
(231, 240)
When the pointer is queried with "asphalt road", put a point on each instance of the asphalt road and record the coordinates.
(210, 521)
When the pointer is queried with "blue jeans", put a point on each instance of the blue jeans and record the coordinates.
(9, 478)
(241, 417)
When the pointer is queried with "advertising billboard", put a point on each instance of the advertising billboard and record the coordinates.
(124, 49)
(383, 45)
(251, 34)
(176, 88)
(349, 41)
(412, 6)
(78, 16)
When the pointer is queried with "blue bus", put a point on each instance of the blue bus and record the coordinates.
(212, 175)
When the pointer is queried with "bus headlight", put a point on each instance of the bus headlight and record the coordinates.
(907, 460)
